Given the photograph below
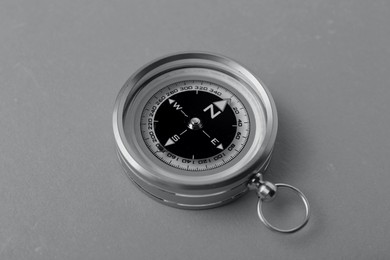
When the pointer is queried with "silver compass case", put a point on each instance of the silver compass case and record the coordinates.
(179, 187)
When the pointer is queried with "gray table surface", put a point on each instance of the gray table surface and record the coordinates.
(63, 194)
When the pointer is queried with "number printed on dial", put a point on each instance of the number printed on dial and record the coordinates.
(195, 125)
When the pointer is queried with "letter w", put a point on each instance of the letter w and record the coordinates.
(177, 106)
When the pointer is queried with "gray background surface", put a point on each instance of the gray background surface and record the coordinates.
(63, 194)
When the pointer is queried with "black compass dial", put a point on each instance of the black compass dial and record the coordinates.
(195, 124)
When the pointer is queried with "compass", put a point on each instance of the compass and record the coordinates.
(196, 131)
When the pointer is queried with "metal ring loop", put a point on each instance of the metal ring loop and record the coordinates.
(292, 230)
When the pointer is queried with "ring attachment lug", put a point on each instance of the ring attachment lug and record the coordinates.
(266, 192)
